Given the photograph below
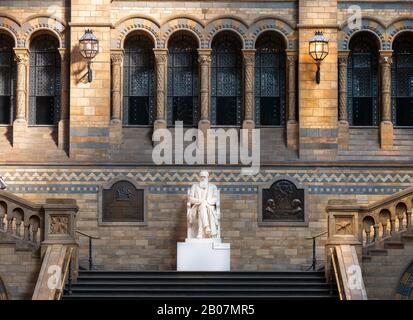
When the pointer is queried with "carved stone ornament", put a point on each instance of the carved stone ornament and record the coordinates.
(283, 202)
(59, 225)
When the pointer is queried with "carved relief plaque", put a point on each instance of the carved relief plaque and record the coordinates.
(283, 202)
(344, 225)
(59, 225)
(123, 203)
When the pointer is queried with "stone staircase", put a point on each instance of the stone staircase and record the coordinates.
(200, 285)
(384, 262)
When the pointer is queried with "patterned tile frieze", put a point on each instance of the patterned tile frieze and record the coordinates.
(182, 190)
(156, 176)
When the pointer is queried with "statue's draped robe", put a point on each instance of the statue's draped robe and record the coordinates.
(203, 216)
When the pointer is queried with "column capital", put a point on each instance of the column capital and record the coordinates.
(343, 56)
(64, 54)
(291, 53)
(386, 56)
(116, 56)
(249, 56)
(160, 55)
(21, 55)
(204, 52)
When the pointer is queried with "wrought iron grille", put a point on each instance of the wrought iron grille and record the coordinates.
(44, 99)
(183, 80)
(138, 84)
(362, 84)
(7, 79)
(402, 81)
(226, 90)
(270, 81)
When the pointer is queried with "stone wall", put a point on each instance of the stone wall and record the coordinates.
(153, 246)
(38, 167)
(89, 136)
(19, 269)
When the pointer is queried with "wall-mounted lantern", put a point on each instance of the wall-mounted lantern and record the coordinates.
(318, 51)
(89, 48)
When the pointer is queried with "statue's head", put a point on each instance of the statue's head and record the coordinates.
(204, 179)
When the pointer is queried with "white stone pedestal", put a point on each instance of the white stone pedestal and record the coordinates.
(203, 255)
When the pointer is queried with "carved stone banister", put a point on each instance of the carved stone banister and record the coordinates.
(37, 224)
(354, 223)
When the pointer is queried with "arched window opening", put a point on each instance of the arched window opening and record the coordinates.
(138, 83)
(226, 80)
(270, 80)
(44, 100)
(183, 80)
(402, 80)
(362, 89)
(7, 79)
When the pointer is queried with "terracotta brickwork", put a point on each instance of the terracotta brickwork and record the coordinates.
(90, 147)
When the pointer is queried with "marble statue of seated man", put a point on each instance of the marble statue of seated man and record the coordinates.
(203, 219)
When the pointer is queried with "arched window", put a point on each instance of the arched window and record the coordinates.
(362, 89)
(7, 79)
(44, 100)
(226, 80)
(183, 80)
(138, 83)
(402, 80)
(270, 80)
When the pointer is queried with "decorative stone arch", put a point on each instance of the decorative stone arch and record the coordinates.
(274, 24)
(10, 26)
(398, 26)
(108, 186)
(182, 23)
(236, 25)
(371, 25)
(304, 206)
(43, 23)
(131, 24)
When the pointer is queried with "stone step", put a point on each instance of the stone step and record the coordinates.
(393, 245)
(378, 252)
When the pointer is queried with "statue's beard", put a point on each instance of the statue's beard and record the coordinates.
(203, 184)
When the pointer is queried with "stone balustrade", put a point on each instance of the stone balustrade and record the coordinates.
(352, 223)
(37, 223)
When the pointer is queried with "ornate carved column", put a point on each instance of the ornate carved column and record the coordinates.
(22, 59)
(249, 86)
(161, 57)
(115, 133)
(116, 57)
(63, 126)
(20, 122)
(386, 126)
(292, 124)
(204, 60)
(343, 127)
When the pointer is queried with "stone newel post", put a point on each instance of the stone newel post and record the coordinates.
(20, 122)
(386, 126)
(292, 125)
(116, 58)
(161, 57)
(249, 84)
(343, 127)
(63, 138)
(204, 60)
